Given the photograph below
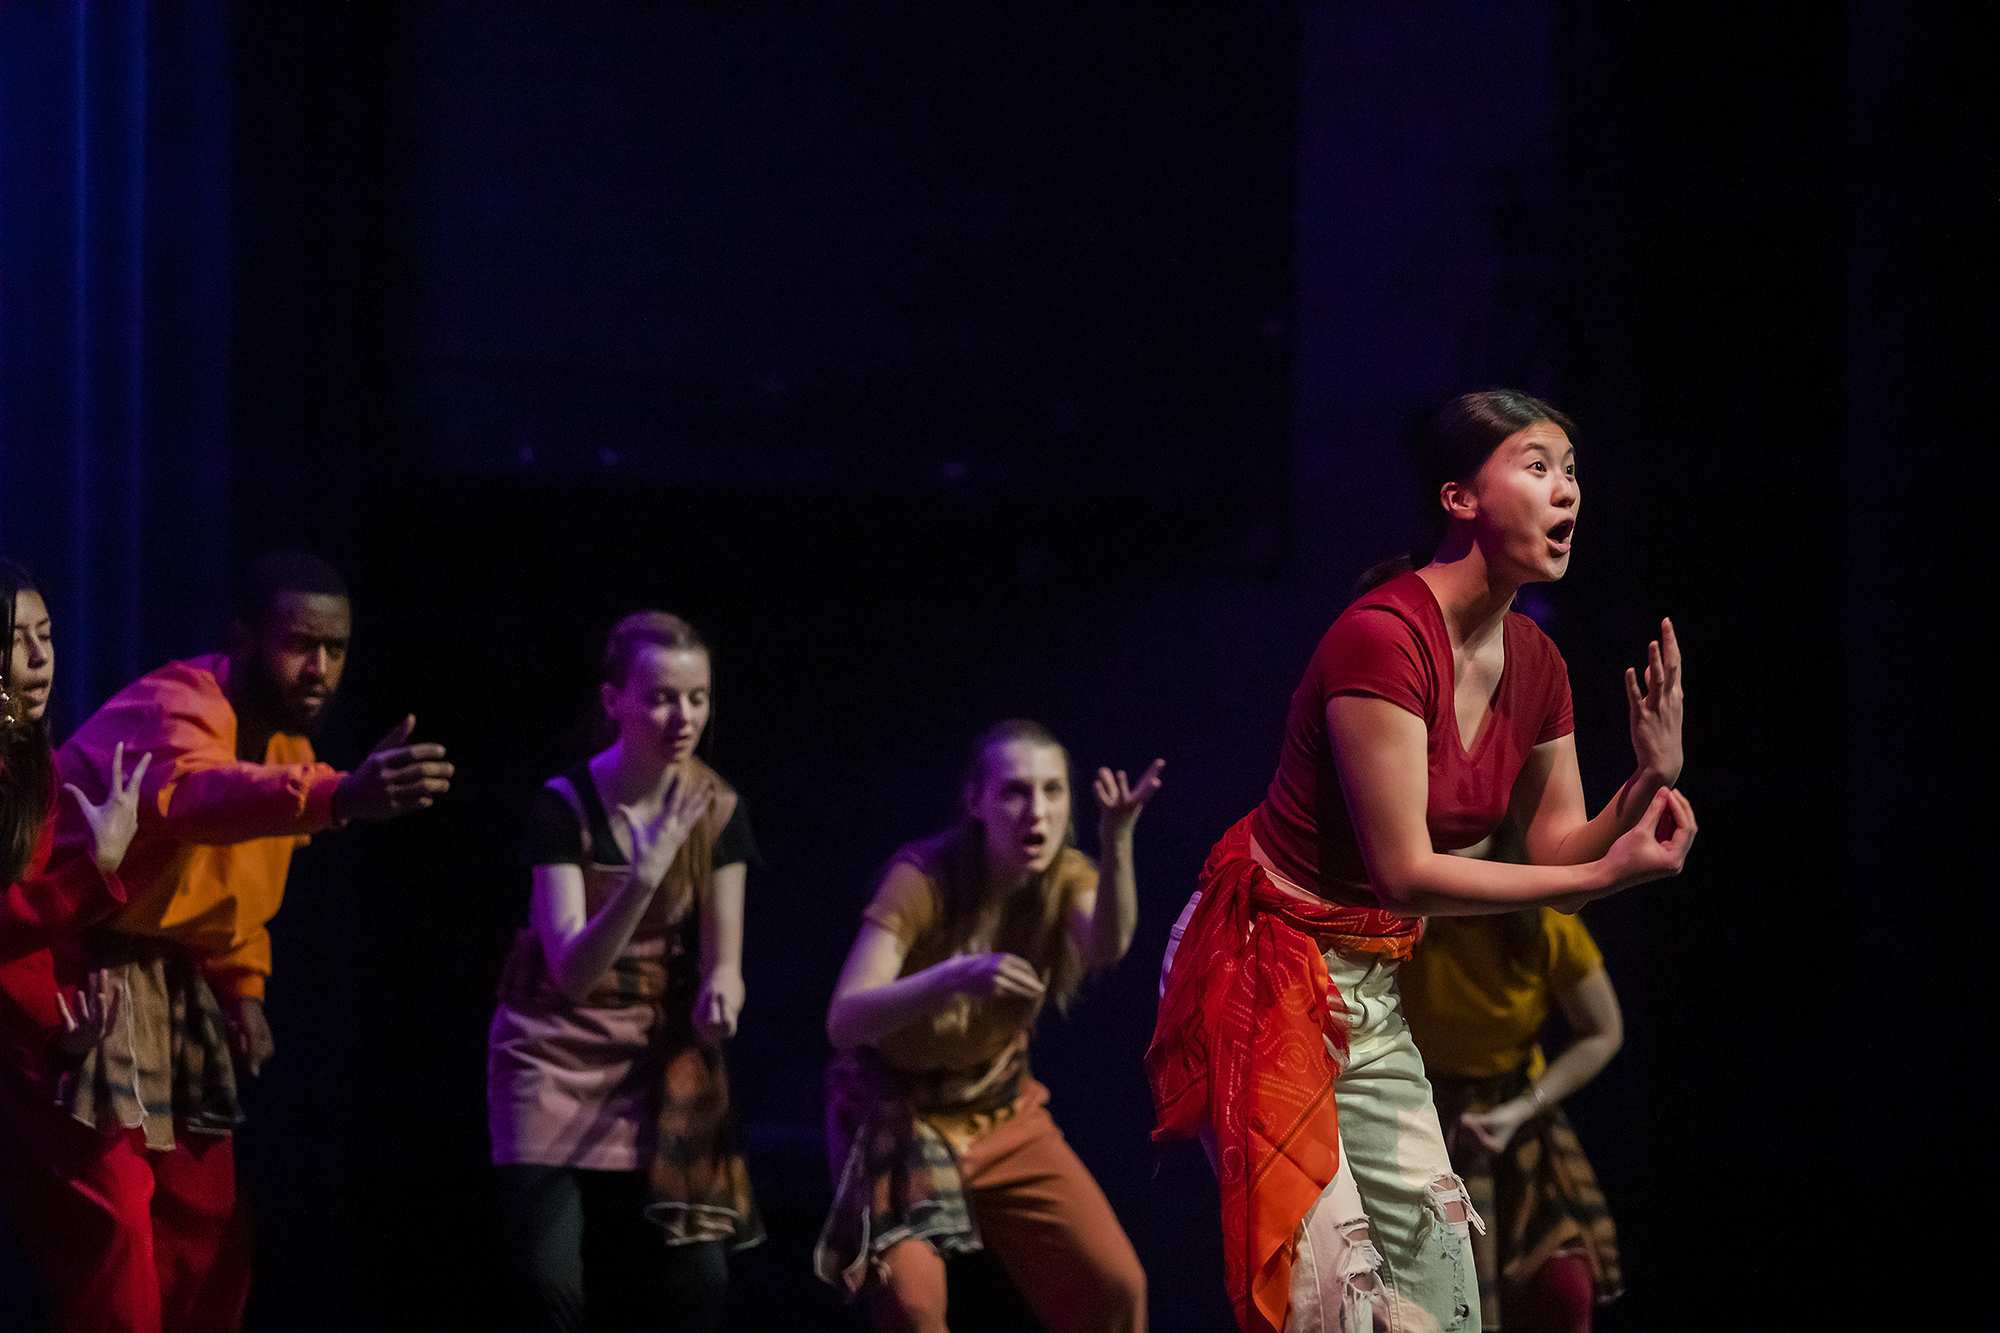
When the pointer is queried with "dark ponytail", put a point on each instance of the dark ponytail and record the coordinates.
(1381, 572)
(1451, 444)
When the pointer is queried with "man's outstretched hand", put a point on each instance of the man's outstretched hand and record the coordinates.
(394, 779)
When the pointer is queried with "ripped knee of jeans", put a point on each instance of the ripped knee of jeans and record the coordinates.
(1451, 1205)
(1364, 1300)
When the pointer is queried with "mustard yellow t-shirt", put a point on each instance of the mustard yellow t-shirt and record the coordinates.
(1474, 1009)
(966, 1033)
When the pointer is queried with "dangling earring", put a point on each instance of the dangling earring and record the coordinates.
(12, 713)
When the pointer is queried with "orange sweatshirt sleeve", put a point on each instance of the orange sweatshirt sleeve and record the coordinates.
(205, 794)
(197, 790)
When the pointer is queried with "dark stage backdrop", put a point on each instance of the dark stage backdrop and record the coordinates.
(1043, 361)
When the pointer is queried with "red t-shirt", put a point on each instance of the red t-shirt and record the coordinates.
(1391, 644)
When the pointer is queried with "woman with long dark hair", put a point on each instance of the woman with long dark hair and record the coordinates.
(939, 1136)
(53, 1007)
(1428, 713)
(608, 1101)
(42, 1023)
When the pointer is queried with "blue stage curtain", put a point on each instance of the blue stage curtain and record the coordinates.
(114, 329)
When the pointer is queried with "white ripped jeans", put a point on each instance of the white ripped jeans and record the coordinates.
(1386, 1246)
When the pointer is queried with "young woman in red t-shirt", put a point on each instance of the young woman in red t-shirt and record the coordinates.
(1428, 714)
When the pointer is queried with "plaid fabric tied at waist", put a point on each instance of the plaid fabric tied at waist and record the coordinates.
(165, 1062)
(1249, 1039)
(697, 1184)
(1544, 1196)
(893, 1139)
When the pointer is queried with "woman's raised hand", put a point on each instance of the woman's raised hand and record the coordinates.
(113, 823)
(992, 975)
(1656, 713)
(656, 842)
(88, 1016)
(1657, 846)
(1119, 800)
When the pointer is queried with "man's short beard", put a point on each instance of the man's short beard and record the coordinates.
(267, 700)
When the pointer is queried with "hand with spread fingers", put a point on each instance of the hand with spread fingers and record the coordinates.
(1656, 711)
(657, 841)
(113, 823)
(1120, 800)
(394, 779)
(87, 1015)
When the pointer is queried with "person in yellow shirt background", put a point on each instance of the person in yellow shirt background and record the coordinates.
(1476, 993)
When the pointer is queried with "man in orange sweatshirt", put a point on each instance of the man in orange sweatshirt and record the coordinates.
(142, 1225)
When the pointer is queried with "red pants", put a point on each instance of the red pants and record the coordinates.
(127, 1240)
(1050, 1226)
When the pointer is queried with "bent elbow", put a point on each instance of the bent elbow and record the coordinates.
(1399, 881)
(839, 1032)
(1400, 896)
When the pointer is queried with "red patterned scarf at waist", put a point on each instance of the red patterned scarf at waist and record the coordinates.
(1249, 1027)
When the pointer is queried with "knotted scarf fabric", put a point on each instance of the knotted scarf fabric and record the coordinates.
(1250, 1039)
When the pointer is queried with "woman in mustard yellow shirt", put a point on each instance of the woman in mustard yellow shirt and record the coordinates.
(938, 1132)
(1476, 993)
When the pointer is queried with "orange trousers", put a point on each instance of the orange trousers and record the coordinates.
(1050, 1226)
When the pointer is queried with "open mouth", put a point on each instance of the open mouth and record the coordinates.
(1559, 535)
(1033, 843)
